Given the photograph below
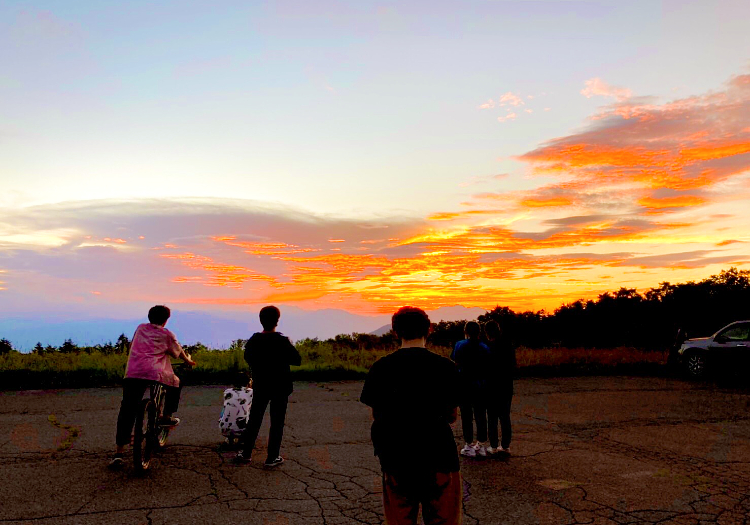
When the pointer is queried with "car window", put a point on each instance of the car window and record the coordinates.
(739, 332)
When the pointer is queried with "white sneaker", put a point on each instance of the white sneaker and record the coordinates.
(494, 450)
(468, 451)
(480, 449)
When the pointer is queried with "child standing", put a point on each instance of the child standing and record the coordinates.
(472, 358)
(269, 355)
(413, 394)
(499, 387)
(237, 402)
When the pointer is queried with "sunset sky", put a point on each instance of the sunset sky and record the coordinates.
(365, 155)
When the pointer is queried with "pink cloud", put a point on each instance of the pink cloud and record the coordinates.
(509, 98)
(596, 86)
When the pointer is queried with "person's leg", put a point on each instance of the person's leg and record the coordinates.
(467, 422)
(480, 414)
(171, 399)
(442, 505)
(257, 411)
(492, 416)
(276, 433)
(132, 393)
(505, 428)
(400, 501)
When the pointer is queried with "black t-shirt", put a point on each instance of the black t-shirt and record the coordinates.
(412, 393)
(269, 355)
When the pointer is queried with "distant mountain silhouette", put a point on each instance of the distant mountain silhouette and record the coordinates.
(214, 329)
(444, 313)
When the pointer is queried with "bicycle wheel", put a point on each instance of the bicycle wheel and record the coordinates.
(143, 442)
(161, 431)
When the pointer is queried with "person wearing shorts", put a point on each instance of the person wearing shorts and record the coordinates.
(413, 394)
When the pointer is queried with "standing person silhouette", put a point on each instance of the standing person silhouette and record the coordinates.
(414, 397)
(499, 387)
(269, 355)
(472, 358)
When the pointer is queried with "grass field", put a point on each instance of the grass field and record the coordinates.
(321, 361)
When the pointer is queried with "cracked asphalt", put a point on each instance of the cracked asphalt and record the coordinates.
(586, 450)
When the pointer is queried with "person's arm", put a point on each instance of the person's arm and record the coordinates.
(451, 392)
(293, 355)
(369, 393)
(250, 357)
(176, 350)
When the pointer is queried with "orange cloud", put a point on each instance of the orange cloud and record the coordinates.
(682, 201)
(227, 275)
(551, 202)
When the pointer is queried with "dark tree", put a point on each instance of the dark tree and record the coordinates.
(38, 349)
(68, 347)
(5, 347)
(122, 346)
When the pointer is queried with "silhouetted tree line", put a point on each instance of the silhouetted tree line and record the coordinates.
(121, 346)
(621, 318)
(624, 317)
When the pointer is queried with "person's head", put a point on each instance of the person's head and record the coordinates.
(269, 317)
(241, 380)
(410, 323)
(472, 330)
(492, 329)
(159, 314)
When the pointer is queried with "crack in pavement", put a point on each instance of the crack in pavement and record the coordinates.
(333, 479)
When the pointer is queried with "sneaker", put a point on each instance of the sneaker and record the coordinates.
(505, 450)
(494, 450)
(117, 462)
(241, 459)
(273, 463)
(480, 449)
(169, 421)
(468, 451)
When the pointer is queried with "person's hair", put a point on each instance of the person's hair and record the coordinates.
(472, 330)
(492, 329)
(158, 314)
(269, 317)
(410, 323)
(240, 379)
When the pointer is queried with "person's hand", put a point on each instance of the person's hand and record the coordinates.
(189, 360)
(250, 384)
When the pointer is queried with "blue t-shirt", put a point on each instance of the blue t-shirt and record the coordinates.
(472, 357)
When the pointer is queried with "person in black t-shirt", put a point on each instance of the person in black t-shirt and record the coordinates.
(413, 394)
(269, 354)
(499, 387)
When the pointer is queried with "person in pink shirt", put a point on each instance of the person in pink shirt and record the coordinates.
(148, 362)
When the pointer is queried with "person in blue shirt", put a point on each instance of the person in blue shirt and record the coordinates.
(471, 356)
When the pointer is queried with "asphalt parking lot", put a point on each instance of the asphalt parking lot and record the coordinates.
(599, 450)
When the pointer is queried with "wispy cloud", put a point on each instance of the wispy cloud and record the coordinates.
(597, 87)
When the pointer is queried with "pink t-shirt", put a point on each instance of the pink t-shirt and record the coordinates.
(149, 355)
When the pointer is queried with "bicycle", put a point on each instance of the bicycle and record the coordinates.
(150, 436)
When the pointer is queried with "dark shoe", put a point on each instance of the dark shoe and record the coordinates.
(241, 459)
(274, 462)
(117, 462)
(169, 421)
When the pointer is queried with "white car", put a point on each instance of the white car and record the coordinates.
(729, 348)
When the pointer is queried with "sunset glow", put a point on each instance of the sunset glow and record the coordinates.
(327, 167)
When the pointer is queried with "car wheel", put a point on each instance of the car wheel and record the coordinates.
(696, 365)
